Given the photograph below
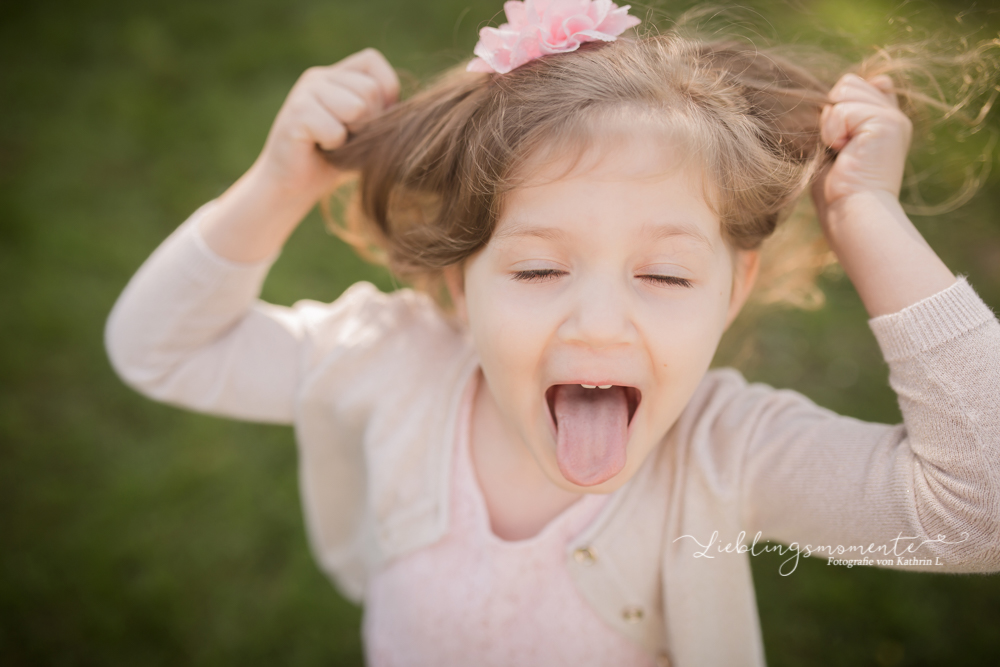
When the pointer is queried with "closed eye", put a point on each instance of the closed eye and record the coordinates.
(536, 275)
(665, 280)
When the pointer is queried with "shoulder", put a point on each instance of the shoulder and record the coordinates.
(364, 319)
(726, 413)
(363, 310)
(370, 347)
(725, 396)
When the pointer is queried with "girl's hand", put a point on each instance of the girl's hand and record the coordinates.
(872, 136)
(857, 199)
(252, 219)
(321, 107)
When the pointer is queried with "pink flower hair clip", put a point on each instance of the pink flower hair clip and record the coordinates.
(536, 28)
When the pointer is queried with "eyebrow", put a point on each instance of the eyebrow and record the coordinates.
(518, 231)
(655, 232)
(659, 232)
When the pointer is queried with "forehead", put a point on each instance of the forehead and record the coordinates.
(650, 144)
(632, 178)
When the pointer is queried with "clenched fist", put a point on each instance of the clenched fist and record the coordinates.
(320, 109)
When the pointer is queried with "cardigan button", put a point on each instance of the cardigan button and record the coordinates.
(633, 614)
(662, 659)
(585, 555)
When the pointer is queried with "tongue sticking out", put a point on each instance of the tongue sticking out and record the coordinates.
(592, 430)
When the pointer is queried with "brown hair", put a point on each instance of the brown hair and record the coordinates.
(431, 173)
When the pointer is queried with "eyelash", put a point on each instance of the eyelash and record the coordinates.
(535, 275)
(667, 280)
(539, 275)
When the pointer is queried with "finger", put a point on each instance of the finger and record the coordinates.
(362, 85)
(887, 87)
(852, 88)
(319, 127)
(841, 120)
(372, 62)
(833, 131)
(343, 104)
(844, 119)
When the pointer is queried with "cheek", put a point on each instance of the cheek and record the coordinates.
(683, 335)
(509, 335)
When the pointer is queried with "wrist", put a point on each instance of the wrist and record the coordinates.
(274, 194)
(861, 207)
(254, 218)
(885, 256)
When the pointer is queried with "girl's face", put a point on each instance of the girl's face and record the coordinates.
(613, 274)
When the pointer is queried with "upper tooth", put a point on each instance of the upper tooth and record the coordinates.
(604, 386)
(589, 386)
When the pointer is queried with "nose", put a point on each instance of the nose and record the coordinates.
(599, 315)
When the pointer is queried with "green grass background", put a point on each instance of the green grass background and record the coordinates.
(132, 533)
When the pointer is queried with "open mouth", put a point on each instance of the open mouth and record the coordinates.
(591, 425)
(632, 397)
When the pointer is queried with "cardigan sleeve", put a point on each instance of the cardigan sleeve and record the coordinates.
(924, 494)
(189, 330)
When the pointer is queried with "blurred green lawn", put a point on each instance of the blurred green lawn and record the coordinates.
(134, 533)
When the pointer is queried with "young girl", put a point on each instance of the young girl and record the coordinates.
(551, 475)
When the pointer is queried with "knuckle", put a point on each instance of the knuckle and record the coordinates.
(368, 87)
(331, 137)
(354, 108)
(312, 76)
(839, 111)
(337, 134)
(900, 118)
(298, 105)
(907, 127)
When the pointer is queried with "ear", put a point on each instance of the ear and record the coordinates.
(454, 280)
(746, 264)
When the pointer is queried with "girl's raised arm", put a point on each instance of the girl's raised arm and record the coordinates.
(924, 493)
(189, 328)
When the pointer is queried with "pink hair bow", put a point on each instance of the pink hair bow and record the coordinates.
(536, 28)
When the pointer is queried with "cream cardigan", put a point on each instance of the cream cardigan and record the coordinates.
(372, 384)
